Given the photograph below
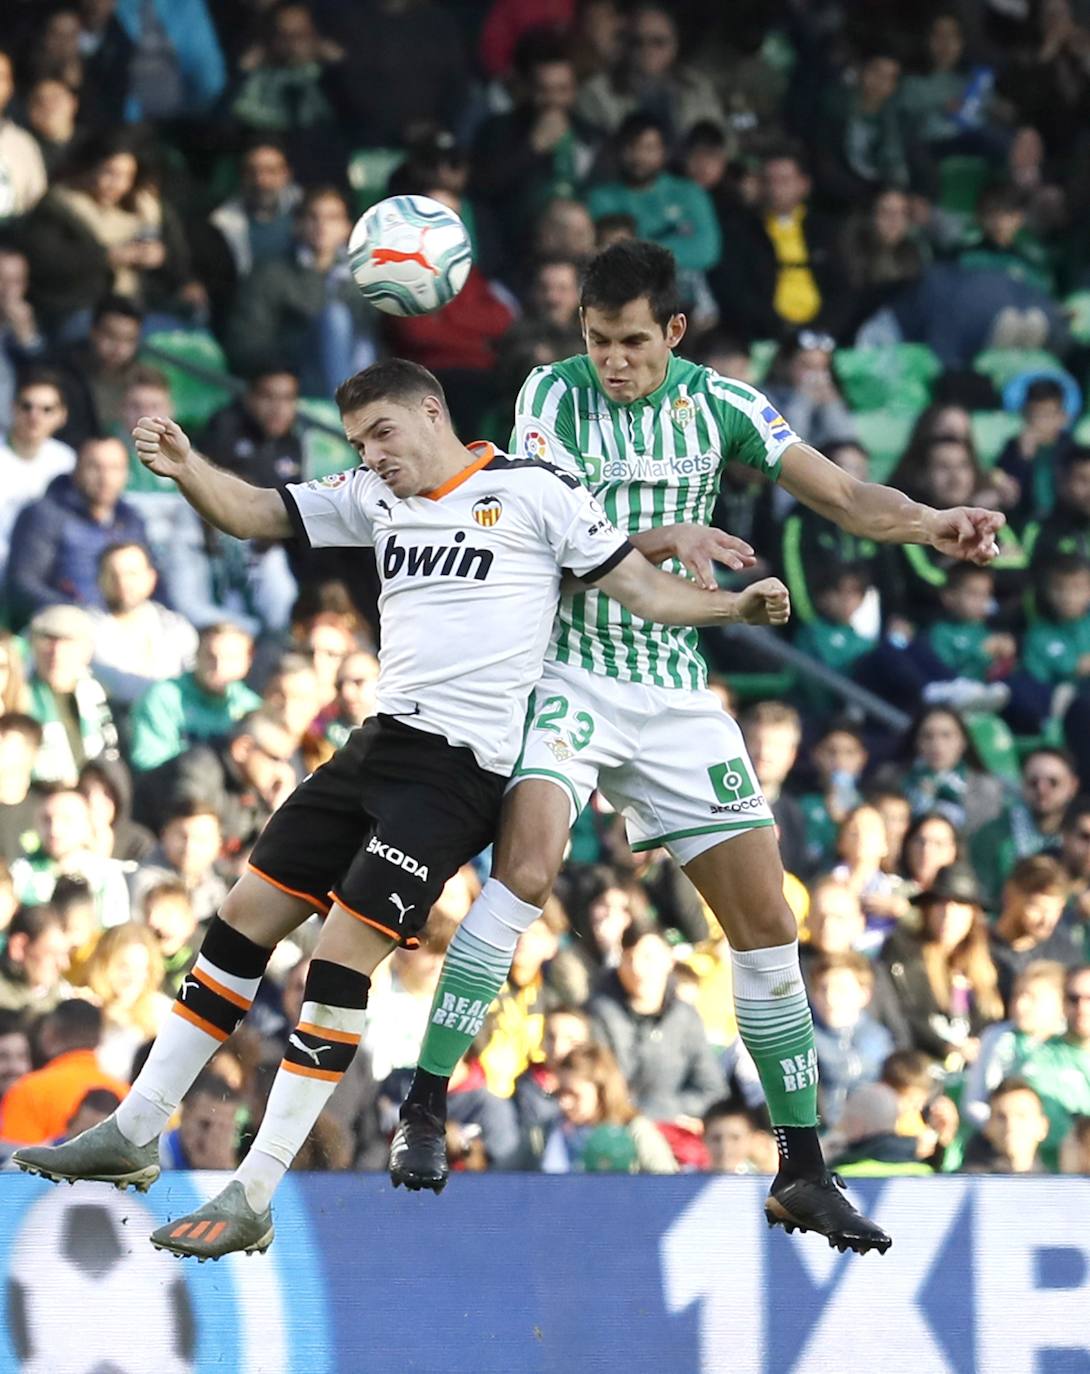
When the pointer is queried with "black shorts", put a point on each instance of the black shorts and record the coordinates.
(382, 826)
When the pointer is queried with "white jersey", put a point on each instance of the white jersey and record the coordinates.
(470, 584)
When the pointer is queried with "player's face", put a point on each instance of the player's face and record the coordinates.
(629, 349)
(398, 442)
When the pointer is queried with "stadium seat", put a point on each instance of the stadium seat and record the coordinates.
(884, 434)
(368, 172)
(898, 377)
(323, 452)
(994, 743)
(761, 354)
(1081, 431)
(991, 430)
(761, 686)
(961, 180)
(199, 389)
(1003, 365)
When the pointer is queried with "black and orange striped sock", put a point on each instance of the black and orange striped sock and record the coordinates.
(214, 997)
(319, 1051)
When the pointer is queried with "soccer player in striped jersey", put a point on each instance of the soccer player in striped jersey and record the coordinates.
(623, 705)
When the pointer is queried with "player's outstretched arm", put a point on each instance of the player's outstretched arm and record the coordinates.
(668, 600)
(223, 499)
(885, 514)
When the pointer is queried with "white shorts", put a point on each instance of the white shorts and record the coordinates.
(671, 761)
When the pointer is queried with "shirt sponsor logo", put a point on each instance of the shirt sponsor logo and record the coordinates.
(487, 511)
(398, 858)
(435, 560)
(778, 427)
(644, 468)
(535, 445)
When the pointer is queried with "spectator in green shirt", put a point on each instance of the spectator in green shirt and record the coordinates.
(839, 758)
(670, 210)
(1060, 1068)
(961, 639)
(1027, 470)
(199, 706)
(839, 591)
(1057, 645)
(1001, 243)
(1031, 824)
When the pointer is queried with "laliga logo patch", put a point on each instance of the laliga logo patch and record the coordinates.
(534, 445)
(778, 427)
(487, 511)
(335, 479)
(684, 412)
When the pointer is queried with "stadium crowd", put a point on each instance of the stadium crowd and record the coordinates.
(879, 211)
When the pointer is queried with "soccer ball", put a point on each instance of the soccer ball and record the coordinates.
(410, 255)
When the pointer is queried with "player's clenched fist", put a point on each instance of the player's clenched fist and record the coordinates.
(767, 602)
(161, 445)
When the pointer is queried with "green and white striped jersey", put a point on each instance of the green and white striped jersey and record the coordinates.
(656, 461)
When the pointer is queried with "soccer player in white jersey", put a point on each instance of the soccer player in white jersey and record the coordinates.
(623, 706)
(470, 546)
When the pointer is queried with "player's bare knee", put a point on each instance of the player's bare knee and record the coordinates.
(528, 873)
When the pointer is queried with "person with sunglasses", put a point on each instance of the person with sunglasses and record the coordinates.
(1030, 824)
(30, 455)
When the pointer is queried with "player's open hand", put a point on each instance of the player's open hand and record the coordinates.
(767, 602)
(967, 532)
(699, 547)
(161, 445)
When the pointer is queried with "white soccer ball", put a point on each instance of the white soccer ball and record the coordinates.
(410, 255)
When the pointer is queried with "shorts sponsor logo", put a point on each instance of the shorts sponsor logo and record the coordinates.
(738, 808)
(487, 511)
(398, 858)
(535, 445)
(731, 781)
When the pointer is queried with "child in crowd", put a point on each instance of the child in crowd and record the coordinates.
(851, 1044)
(962, 640)
(839, 591)
(1056, 649)
(839, 758)
(1028, 467)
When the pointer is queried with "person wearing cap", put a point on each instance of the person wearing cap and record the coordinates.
(943, 974)
(65, 698)
(58, 540)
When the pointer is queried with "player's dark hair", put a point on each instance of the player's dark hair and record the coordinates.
(1043, 389)
(395, 379)
(629, 270)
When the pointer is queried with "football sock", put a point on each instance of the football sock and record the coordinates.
(319, 1051)
(474, 970)
(214, 997)
(776, 1027)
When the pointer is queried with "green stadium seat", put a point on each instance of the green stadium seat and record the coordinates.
(1081, 431)
(1002, 365)
(1077, 306)
(961, 180)
(994, 743)
(196, 397)
(761, 686)
(761, 353)
(884, 434)
(991, 430)
(898, 377)
(323, 452)
(368, 172)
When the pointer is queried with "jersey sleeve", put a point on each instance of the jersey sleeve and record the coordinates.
(330, 511)
(752, 429)
(545, 422)
(577, 529)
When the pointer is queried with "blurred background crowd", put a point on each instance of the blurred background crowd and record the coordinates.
(879, 212)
